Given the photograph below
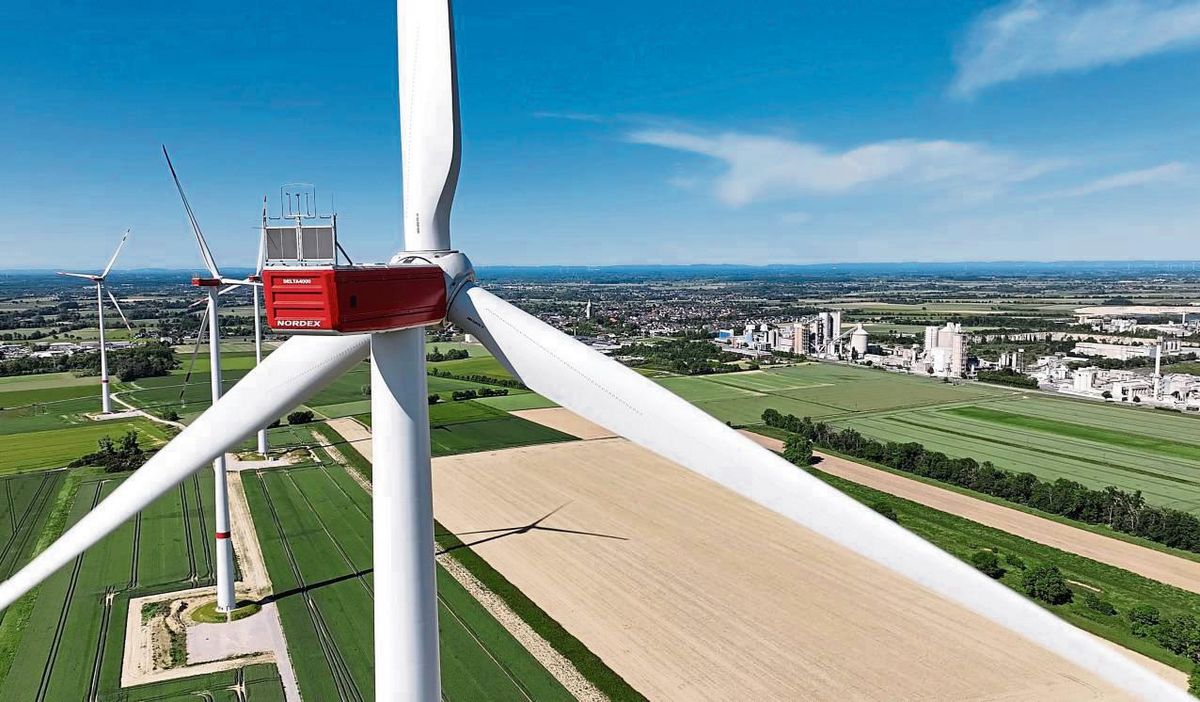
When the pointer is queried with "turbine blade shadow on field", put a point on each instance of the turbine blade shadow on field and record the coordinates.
(309, 587)
(535, 525)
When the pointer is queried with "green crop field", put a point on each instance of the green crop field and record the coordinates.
(52, 415)
(25, 503)
(444, 346)
(513, 403)
(446, 413)
(817, 390)
(1095, 444)
(476, 365)
(164, 392)
(53, 394)
(315, 529)
(64, 641)
(56, 448)
(491, 430)
(43, 381)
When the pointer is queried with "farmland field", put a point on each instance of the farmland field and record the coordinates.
(70, 631)
(1094, 444)
(476, 365)
(314, 526)
(817, 390)
(56, 448)
(51, 415)
(466, 427)
(522, 401)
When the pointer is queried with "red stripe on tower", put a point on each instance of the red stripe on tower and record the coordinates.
(222, 535)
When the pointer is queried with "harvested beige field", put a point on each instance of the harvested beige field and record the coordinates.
(566, 421)
(1156, 565)
(705, 595)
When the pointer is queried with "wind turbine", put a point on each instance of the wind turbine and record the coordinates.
(554, 365)
(105, 400)
(226, 597)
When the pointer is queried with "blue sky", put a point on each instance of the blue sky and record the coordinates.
(621, 132)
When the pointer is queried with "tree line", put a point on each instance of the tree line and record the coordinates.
(437, 355)
(478, 378)
(1007, 376)
(1113, 507)
(142, 361)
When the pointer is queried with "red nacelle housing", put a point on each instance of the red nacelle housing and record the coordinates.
(353, 299)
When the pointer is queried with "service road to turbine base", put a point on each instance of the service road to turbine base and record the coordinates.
(712, 597)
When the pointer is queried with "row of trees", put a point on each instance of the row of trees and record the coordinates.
(1008, 376)
(117, 456)
(459, 395)
(477, 378)
(142, 361)
(437, 355)
(1111, 506)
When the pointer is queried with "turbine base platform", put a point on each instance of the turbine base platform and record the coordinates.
(353, 299)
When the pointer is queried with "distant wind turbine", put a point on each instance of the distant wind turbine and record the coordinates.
(105, 400)
(226, 597)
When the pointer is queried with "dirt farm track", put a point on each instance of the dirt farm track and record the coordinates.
(704, 595)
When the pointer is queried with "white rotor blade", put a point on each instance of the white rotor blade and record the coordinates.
(85, 276)
(116, 253)
(283, 380)
(209, 262)
(431, 140)
(613, 396)
(119, 310)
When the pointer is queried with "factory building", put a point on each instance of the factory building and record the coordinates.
(946, 350)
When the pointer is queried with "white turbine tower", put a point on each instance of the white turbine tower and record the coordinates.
(105, 400)
(556, 366)
(226, 597)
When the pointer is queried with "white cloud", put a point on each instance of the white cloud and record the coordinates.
(1165, 173)
(1038, 37)
(766, 167)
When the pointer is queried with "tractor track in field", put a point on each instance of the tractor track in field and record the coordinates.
(40, 499)
(12, 508)
(137, 545)
(98, 659)
(48, 667)
(187, 532)
(342, 679)
(205, 541)
(239, 684)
